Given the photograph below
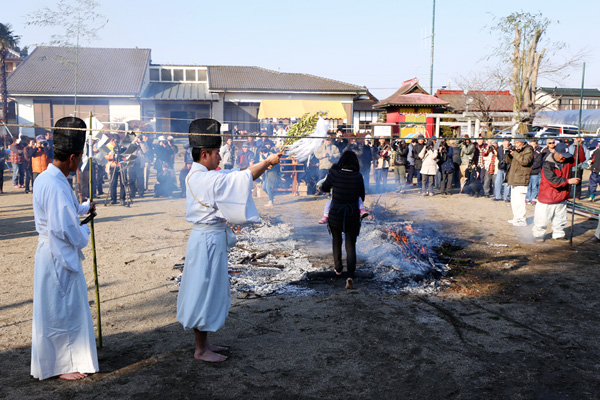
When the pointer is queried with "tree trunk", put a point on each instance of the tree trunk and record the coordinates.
(3, 89)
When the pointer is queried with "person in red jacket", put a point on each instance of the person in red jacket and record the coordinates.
(554, 192)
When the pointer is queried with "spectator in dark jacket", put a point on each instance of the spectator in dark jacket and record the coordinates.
(446, 160)
(346, 184)
(411, 163)
(456, 161)
(400, 163)
(366, 159)
(3, 156)
(28, 152)
(536, 169)
(416, 150)
(499, 183)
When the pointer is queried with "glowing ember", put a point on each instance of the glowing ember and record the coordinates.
(410, 229)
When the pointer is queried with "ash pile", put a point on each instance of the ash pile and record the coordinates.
(402, 256)
(266, 260)
(394, 255)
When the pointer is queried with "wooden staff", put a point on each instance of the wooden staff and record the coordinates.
(577, 155)
(93, 237)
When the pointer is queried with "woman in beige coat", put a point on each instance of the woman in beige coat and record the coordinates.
(429, 168)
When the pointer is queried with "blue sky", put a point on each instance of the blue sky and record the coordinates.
(378, 44)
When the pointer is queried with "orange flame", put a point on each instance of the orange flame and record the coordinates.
(410, 229)
(402, 239)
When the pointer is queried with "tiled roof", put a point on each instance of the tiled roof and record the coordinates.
(178, 91)
(410, 94)
(411, 99)
(12, 54)
(570, 91)
(495, 100)
(259, 79)
(51, 70)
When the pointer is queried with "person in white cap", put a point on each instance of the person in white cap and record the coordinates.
(555, 187)
(520, 162)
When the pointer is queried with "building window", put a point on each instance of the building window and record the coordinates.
(365, 119)
(178, 75)
(165, 75)
(190, 75)
(182, 74)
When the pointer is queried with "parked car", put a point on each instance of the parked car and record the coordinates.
(556, 130)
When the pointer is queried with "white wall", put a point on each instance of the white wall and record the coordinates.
(546, 100)
(257, 97)
(124, 110)
(218, 109)
(25, 115)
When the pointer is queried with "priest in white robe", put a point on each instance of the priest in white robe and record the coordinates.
(63, 342)
(212, 198)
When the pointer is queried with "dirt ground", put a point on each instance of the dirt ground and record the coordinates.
(518, 322)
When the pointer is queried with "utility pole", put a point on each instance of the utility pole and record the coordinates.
(432, 43)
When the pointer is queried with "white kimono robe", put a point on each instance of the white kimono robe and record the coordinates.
(62, 330)
(212, 197)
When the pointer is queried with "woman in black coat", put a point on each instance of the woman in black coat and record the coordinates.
(346, 183)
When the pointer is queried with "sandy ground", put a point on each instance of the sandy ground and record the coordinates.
(518, 322)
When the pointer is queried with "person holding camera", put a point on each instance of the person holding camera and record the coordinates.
(520, 162)
(499, 183)
(446, 162)
(382, 165)
(400, 164)
(416, 150)
(490, 165)
(39, 159)
(429, 167)
(467, 151)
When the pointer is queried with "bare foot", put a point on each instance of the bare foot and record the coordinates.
(73, 376)
(349, 283)
(216, 349)
(209, 356)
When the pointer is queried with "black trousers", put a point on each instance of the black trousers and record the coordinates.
(411, 174)
(446, 183)
(29, 180)
(115, 180)
(350, 241)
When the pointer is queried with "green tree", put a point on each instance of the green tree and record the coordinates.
(8, 40)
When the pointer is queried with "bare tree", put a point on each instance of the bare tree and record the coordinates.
(521, 35)
(76, 20)
(484, 94)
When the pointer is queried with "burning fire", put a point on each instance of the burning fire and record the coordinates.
(410, 229)
(402, 239)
